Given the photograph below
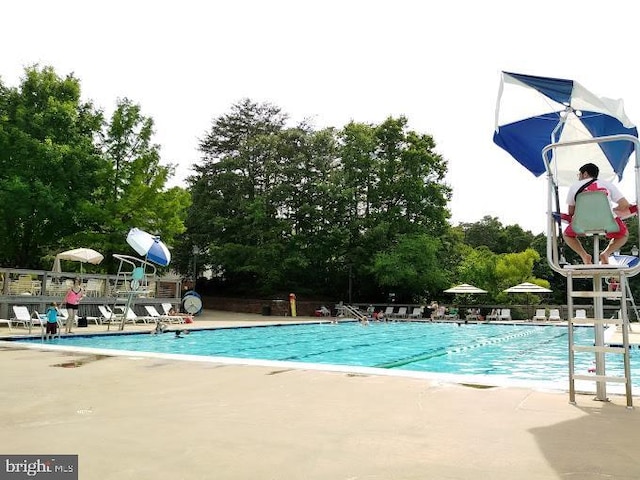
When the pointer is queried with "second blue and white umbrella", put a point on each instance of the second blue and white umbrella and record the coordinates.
(150, 246)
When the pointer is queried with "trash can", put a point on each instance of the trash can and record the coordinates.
(266, 310)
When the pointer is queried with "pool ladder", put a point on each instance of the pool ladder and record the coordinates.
(597, 273)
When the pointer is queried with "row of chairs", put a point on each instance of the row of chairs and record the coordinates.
(554, 315)
(402, 313)
(500, 314)
(22, 316)
(107, 315)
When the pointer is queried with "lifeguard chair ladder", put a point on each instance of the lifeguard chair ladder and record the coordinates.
(132, 282)
(594, 225)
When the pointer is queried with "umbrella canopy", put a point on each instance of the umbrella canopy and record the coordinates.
(527, 287)
(82, 255)
(149, 246)
(542, 110)
(464, 288)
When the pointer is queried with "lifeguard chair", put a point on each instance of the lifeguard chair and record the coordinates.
(132, 282)
(571, 126)
(593, 218)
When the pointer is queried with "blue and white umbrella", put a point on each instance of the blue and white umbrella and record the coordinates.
(149, 246)
(533, 112)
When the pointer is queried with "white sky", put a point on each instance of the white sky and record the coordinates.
(438, 63)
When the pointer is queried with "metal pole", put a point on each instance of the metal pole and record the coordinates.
(349, 284)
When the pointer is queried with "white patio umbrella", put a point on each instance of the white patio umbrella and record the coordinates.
(82, 255)
(465, 288)
(527, 288)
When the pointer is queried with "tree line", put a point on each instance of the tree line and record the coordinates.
(354, 213)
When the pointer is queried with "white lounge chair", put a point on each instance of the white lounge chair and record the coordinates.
(505, 314)
(154, 314)
(133, 318)
(554, 315)
(416, 313)
(8, 322)
(26, 318)
(388, 312)
(401, 314)
(106, 315)
(167, 307)
(581, 313)
(494, 315)
(540, 316)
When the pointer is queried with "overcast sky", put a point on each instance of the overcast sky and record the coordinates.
(437, 63)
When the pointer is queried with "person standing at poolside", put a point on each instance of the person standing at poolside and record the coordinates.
(588, 181)
(72, 302)
(52, 321)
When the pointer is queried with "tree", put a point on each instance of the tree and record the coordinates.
(490, 232)
(411, 268)
(132, 191)
(50, 168)
(280, 207)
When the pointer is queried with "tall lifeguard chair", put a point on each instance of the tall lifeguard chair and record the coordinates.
(593, 218)
(132, 282)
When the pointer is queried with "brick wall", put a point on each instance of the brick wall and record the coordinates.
(280, 307)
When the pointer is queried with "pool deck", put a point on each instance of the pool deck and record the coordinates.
(153, 418)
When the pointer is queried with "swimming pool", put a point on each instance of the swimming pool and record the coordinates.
(520, 352)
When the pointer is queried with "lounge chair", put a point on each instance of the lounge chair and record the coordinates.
(26, 318)
(8, 322)
(388, 312)
(554, 315)
(106, 315)
(494, 315)
(581, 313)
(416, 313)
(540, 316)
(166, 308)
(402, 312)
(133, 318)
(154, 314)
(505, 314)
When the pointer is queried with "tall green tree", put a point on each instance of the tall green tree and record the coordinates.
(133, 191)
(50, 167)
(280, 207)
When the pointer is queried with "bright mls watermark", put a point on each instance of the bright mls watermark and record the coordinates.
(51, 467)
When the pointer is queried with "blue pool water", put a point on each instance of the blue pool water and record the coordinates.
(517, 352)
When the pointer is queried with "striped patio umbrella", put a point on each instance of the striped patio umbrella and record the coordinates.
(464, 288)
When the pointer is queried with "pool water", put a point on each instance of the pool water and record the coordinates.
(517, 352)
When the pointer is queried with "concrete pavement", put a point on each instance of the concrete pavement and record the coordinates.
(149, 418)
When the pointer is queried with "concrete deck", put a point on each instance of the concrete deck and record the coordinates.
(141, 418)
